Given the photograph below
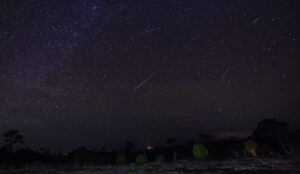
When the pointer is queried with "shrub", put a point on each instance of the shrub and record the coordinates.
(121, 158)
(250, 146)
(141, 159)
(200, 151)
(236, 153)
(160, 158)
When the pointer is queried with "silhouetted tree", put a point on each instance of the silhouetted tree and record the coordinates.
(141, 159)
(269, 129)
(205, 138)
(44, 151)
(129, 146)
(160, 158)
(80, 156)
(103, 148)
(121, 158)
(294, 137)
(11, 138)
(171, 142)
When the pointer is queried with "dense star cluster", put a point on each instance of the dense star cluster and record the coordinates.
(89, 72)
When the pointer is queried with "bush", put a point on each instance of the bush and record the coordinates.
(200, 151)
(250, 146)
(160, 158)
(141, 159)
(121, 158)
(236, 153)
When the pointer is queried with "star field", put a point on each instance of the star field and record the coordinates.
(100, 73)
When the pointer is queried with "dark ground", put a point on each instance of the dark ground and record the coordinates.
(282, 165)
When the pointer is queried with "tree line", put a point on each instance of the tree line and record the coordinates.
(270, 138)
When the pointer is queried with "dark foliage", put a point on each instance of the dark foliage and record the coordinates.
(271, 137)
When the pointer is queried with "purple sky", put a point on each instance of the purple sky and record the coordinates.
(100, 73)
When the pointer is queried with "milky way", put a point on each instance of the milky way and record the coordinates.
(101, 73)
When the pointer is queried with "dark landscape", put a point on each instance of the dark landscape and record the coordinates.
(272, 148)
(149, 86)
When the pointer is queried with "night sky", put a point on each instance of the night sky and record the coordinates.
(103, 72)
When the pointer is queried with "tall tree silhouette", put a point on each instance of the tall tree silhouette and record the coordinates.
(11, 138)
(171, 142)
(205, 138)
(271, 128)
(129, 146)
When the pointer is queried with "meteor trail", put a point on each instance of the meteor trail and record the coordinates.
(144, 81)
(256, 20)
(225, 73)
(151, 30)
